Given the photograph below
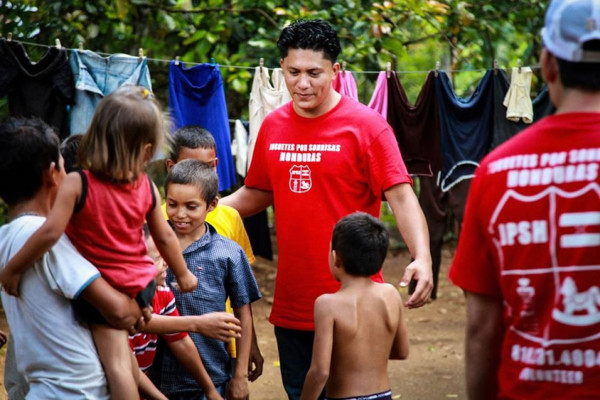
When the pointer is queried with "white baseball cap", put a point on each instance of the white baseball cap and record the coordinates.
(568, 26)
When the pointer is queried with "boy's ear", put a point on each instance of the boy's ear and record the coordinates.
(213, 204)
(51, 175)
(169, 164)
(337, 261)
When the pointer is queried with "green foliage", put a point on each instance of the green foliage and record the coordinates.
(410, 34)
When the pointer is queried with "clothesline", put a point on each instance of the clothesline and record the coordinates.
(534, 67)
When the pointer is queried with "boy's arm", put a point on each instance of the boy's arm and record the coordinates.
(483, 342)
(119, 310)
(256, 360)
(238, 386)
(168, 246)
(216, 325)
(186, 353)
(317, 375)
(400, 344)
(45, 237)
(147, 389)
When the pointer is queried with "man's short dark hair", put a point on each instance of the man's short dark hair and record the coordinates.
(27, 148)
(584, 76)
(314, 34)
(191, 137)
(196, 173)
(69, 149)
(361, 242)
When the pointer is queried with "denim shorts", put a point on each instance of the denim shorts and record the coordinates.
(96, 76)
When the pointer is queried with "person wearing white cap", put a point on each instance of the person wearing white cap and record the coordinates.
(528, 256)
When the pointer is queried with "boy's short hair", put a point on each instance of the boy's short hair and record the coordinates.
(27, 148)
(314, 34)
(191, 137)
(197, 173)
(361, 242)
(69, 149)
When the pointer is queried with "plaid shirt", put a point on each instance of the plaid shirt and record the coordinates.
(222, 270)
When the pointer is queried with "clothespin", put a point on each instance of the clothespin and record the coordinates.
(141, 53)
(388, 69)
(344, 67)
(519, 64)
(80, 46)
(58, 45)
(9, 37)
(437, 68)
(177, 60)
(495, 67)
(261, 63)
(212, 62)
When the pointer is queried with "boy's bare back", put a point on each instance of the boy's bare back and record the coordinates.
(367, 328)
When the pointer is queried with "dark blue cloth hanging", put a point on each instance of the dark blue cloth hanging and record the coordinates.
(466, 126)
(197, 97)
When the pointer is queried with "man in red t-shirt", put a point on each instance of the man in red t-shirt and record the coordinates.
(528, 256)
(319, 158)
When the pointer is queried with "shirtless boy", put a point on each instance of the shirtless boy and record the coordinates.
(360, 327)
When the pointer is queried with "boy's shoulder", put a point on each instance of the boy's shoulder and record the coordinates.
(377, 289)
(223, 241)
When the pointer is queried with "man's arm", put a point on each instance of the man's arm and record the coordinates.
(317, 375)
(413, 228)
(216, 325)
(186, 353)
(238, 386)
(248, 201)
(119, 310)
(483, 342)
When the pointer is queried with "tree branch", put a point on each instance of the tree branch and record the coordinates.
(214, 9)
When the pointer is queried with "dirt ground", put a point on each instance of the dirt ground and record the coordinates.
(434, 369)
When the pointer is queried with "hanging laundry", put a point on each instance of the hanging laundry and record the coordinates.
(517, 100)
(465, 128)
(241, 153)
(264, 98)
(439, 207)
(345, 84)
(97, 76)
(42, 89)
(379, 98)
(504, 128)
(197, 97)
(416, 127)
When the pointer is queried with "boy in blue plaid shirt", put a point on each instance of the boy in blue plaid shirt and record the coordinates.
(222, 270)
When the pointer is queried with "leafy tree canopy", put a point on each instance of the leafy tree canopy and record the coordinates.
(410, 34)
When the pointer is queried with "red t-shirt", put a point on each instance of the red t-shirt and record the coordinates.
(319, 169)
(143, 345)
(107, 231)
(531, 236)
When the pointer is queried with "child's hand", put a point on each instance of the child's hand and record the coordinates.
(187, 282)
(9, 281)
(238, 388)
(218, 325)
(147, 314)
